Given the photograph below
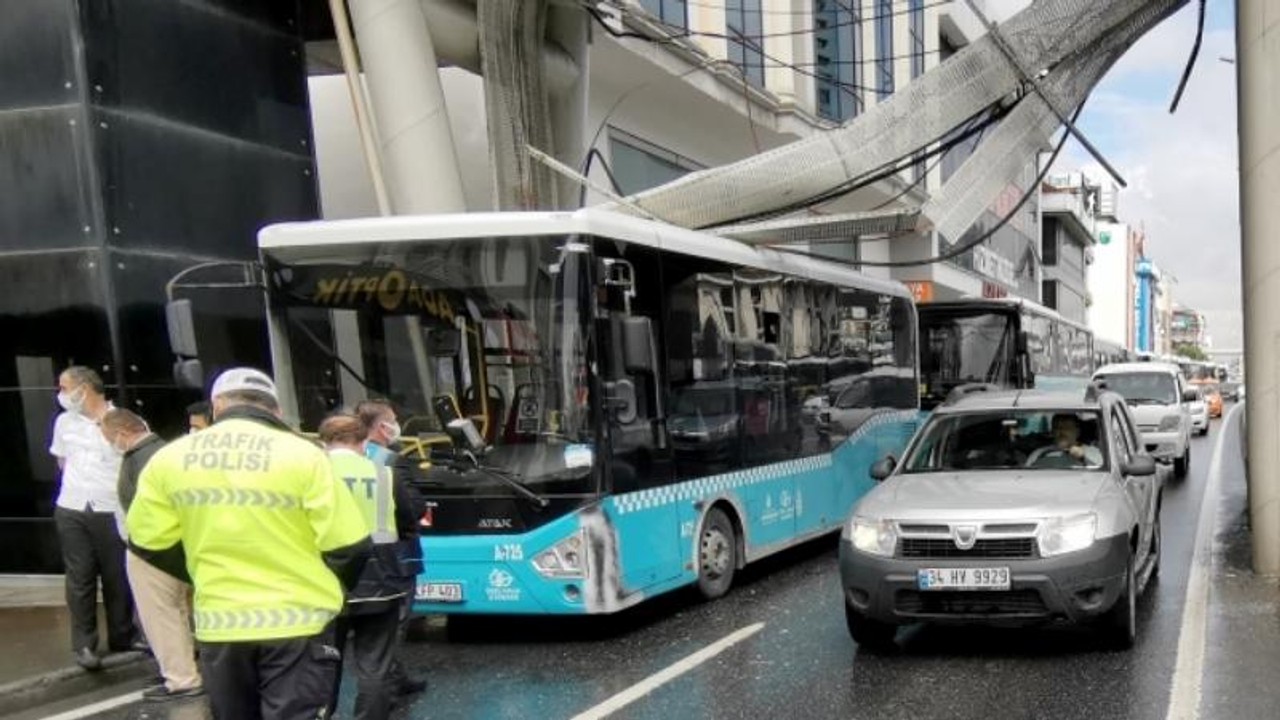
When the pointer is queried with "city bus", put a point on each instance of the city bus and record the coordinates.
(1202, 371)
(597, 409)
(1008, 343)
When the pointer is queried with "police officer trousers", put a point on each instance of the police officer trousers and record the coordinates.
(271, 679)
(374, 628)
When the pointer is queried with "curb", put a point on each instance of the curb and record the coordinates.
(32, 692)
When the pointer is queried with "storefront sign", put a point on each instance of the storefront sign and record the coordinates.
(992, 291)
(921, 290)
(993, 265)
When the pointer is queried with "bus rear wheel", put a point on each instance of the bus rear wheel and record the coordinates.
(717, 555)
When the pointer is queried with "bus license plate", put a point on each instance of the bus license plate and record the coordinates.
(440, 592)
(990, 578)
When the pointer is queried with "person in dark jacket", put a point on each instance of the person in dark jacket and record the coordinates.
(163, 601)
(382, 446)
(372, 614)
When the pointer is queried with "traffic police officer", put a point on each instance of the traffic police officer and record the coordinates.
(253, 515)
(374, 607)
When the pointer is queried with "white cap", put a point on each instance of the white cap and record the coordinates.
(237, 379)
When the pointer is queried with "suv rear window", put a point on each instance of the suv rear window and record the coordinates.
(1142, 388)
(1010, 439)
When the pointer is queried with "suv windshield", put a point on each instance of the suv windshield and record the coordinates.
(491, 329)
(1143, 387)
(1008, 440)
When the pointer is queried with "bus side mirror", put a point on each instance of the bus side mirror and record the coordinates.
(189, 374)
(883, 469)
(1022, 344)
(188, 371)
(637, 345)
(182, 328)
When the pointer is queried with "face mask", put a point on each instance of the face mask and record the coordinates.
(72, 401)
(392, 429)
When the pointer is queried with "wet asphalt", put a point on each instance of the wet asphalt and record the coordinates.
(802, 664)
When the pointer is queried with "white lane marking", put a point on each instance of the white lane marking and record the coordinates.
(99, 707)
(1188, 673)
(654, 681)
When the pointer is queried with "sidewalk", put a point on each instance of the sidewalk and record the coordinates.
(37, 664)
(1242, 648)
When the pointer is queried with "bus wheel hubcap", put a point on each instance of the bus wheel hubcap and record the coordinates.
(715, 553)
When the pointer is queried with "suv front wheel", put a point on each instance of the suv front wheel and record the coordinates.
(1182, 464)
(1120, 624)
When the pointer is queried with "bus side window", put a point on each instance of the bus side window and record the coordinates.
(629, 288)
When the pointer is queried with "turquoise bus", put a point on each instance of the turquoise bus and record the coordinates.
(597, 409)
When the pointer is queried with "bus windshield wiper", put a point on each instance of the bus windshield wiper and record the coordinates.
(505, 476)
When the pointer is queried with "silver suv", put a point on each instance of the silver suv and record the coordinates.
(1008, 508)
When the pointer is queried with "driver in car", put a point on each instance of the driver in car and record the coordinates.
(1066, 444)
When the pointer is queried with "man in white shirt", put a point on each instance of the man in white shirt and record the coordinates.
(85, 516)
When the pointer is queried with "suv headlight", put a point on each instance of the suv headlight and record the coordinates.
(874, 537)
(565, 559)
(1059, 536)
(1170, 423)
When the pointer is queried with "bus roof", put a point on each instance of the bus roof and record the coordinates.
(588, 221)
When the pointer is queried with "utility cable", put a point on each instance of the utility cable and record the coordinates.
(1191, 61)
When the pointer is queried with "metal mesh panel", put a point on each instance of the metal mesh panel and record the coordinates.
(1028, 128)
(1043, 35)
(825, 228)
(511, 38)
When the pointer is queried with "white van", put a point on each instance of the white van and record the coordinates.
(1160, 401)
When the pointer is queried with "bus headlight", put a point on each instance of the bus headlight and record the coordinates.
(1060, 536)
(874, 537)
(1170, 423)
(565, 559)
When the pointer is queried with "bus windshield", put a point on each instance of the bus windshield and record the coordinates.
(491, 329)
(965, 348)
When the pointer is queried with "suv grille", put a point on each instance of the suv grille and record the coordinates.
(970, 602)
(983, 548)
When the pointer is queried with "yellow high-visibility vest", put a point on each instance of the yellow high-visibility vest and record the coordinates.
(254, 507)
(370, 485)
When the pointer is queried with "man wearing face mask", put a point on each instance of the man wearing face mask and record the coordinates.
(164, 602)
(381, 446)
(85, 517)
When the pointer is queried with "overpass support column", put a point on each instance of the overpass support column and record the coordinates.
(1258, 85)
(399, 59)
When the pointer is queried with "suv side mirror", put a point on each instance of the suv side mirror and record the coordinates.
(884, 468)
(1139, 466)
(1189, 396)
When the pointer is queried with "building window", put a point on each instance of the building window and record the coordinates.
(1049, 242)
(1049, 294)
(915, 14)
(884, 48)
(670, 12)
(837, 52)
(745, 27)
(638, 165)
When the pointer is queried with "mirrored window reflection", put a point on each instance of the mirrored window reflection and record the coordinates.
(705, 421)
(630, 336)
(870, 363)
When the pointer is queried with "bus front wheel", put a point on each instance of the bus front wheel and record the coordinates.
(717, 555)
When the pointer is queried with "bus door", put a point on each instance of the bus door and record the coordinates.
(629, 342)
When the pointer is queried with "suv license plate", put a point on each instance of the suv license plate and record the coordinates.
(440, 592)
(991, 578)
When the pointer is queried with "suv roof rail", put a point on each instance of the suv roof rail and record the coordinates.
(959, 392)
